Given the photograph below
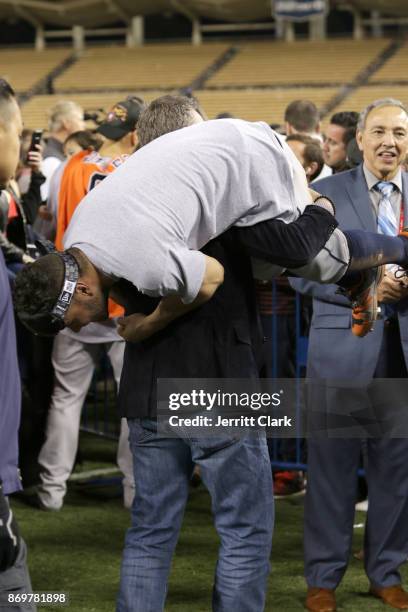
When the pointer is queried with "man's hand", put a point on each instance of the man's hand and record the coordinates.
(44, 213)
(137, 327)
(323, 201)
(34, 159)
(314, 194)
(391, 290)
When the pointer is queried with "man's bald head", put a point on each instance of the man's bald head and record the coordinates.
(11, 126)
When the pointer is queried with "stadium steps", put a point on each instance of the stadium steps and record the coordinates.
(204, 64)
(395, 69)
(25, 69)
(46, 83)
(379, 65)
(254, 81)
(219, 63)
(263, 78)
(151, 67)
(303, 63)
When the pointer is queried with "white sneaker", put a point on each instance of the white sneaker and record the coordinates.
(46, 501)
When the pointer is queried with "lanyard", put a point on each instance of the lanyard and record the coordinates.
(401, 222)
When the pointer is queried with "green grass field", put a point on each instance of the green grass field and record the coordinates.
(78, 550)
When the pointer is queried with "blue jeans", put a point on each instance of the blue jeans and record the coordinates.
(237, 473)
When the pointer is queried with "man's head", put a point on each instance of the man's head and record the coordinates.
(339, 132)
(382, 136)
(120, 125)
(309, 152)
(11, 127)
(302, 116)
(167, 114)
(65, 118)
(60, 290)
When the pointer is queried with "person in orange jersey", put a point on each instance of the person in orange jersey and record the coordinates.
(76, 354)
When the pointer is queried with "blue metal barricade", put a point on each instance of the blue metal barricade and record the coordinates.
(285, 327)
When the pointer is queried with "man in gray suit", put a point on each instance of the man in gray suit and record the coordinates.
(374, 197)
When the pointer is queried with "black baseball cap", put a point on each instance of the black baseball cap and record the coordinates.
(122, 118)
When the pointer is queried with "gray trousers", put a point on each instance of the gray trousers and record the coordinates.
(330, 510)
(332, 487)
(74, 364)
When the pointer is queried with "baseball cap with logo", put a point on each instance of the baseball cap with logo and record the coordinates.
(122, 118)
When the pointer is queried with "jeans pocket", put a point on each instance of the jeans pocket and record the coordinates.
(141, 430)
(214, 444)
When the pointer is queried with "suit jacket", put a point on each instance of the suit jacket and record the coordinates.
(333, 350)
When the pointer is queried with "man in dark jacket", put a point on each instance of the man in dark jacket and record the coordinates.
(14, 578)
(221, 339)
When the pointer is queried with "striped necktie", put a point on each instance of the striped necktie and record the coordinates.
(387, 223)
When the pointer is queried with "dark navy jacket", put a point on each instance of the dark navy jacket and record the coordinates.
(10, 391)
(221, 339)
